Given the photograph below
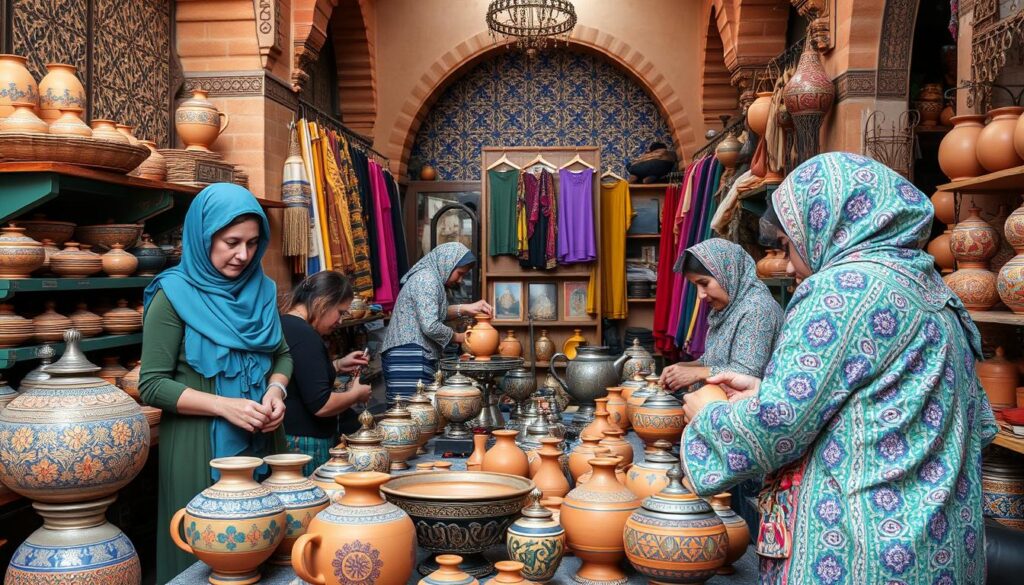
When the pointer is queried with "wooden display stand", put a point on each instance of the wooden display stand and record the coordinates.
(501, 269)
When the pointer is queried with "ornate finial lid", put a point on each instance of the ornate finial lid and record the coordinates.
(73, 361)
(661, 400)
(676, 499)
(534, 511)
(398, 411)
(368, 434)
(337, 465)
(420, 397)
(660, 455)
(652, 382)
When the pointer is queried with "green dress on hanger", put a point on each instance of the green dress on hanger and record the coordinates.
(503, 187)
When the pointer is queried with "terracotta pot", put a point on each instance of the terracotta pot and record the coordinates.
(616, 408)
(458, 401)
(958, 150)
(105, 235)
(107, 130)
(946, 115)
(601, 422)
(973, 239)
(509, 573)
(73, 262)
(50, 325)
(659, 417)
(603, 502)
(482, 339)
(20, 255)
(424, 415)
(1013, 229)
(126, 130)
(122, 320)
(71, 416)
(995, 149)
(302, 499)
(945, 209)
(49, 249)
(931, 92)
(505, 456)
(550, 478)
(637, 398)
(614, 440)
(359, 307)
(571, 344)
(537, 540)
(1018, 137)
(130, 381)
(14, 329)
(401, 435)
(580, 457)
(18, 84)
(629, 386)
(1002, 489)
(118, 264)
(112, 370)
(68, 123)
(543, 348)
(154, 167)
(675, 537)
(940, 250)
(510, 346)
(90, 324)
(728, 151)
(151, 257)
(1010, 282)
(198, 122)
(325, 475)
(757, 112)
(976, 286)
(650, 476)
(233, 526)
(476, 458)
(706, 395)
(929, 111)
(427, 173)
(739, 533)
(999, 379)
(809, 91)
(60, 89)
(601, 452)
(365, 451)
(778, 266)
(448, 573)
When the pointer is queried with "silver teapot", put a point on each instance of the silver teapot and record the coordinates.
(588, 376)
(638, 359)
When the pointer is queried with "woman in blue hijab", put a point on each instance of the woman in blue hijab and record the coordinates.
(213, 357)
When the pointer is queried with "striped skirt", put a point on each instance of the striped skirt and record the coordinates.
(404, 367)
(317, 448)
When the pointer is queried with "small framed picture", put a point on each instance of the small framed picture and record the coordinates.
(574, 301)
(543, 301)
(507, 301)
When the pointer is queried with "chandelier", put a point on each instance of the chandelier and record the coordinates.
(531, 24)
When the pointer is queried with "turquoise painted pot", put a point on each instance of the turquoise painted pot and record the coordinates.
(302, 499)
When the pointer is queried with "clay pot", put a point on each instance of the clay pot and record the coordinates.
(505, 456)
(60, 89)
(427, 173)
(550, 478)
(482, 339)
(809, 91)
(603, 502)
(633, 384)
(510, 346)
(302, 499)
(20, 255)
(49, 249)
(476, 458)
(637, 359)
(1013, 229)
(1010, 284)
(73, 262)
(71, 416)
(931, 92)
(118, 264)
(18, 84)
(126, 130)
(940, 250)
(105, 235)
(675, 537)
(1004, 253)
(929, 111)
(365, 451)
(601, 452)
(650, 476)
(1018, 137)
(616, 408)
(198, 122)
(401, 435)
(154, 167)
(1002, 489)
(424, 415)
(359, 307)
(112, 370)
(50, 325)
(778, 266)
(974, 285)
(659, 417)
(958, 150)
(509, 573)
(39, 228)
(579, 458)
(130, 381)
(336, 466)
(945, 207)
(728, 151)
(999, 379)
(69, 123)
(358, 539)
(90, 324)
(448, 573)
(739, 533)
(574, 341)
(537, 540)
(639, 395)
(458, 401)
(601, 422)
(757, 112)
(14, 329)
(614, 440)
(122, 320)
(946, 115)
(995, 149)
(707, 394)
(107, 130)
(973, 239)
(543, 348)
(151, 257)
(234, 511)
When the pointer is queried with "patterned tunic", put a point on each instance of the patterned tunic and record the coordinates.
(871, 395)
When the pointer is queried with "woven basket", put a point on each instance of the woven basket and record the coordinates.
(196, 168)
(74, 150)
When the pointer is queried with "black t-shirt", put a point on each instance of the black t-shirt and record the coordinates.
(311, 384)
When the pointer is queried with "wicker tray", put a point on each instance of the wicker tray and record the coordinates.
(196, 168)
(75, 150)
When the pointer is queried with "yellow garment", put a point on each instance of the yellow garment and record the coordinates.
(616, 217)
(339, 206)
(522, 225)
(318, 171)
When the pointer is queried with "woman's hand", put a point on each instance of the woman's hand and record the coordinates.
(679, 376)
(243, 413)
(477, 308)
(736, 386)
(360, 392)
(351, 362)
(273, 403)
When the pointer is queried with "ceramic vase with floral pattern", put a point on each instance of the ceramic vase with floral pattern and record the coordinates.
(60, 89)
(302, 499)
(365, 451)
(198, 122)
(16, 84)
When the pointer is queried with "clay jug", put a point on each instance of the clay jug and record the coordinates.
(995, 149)
(757, 112)
(107, 130)
(616, 408)
(401, 435)
(601, 452)
(543, 348)
(509, 573)
(675, 537)
(336, 466)
(571, 344)
(973, 239)
(973, 243)
(580, 456)
(127, 131)
(18, 84)
(510, 346)
(117, 263)
(69, 123)
(940, 250)
(60, 89)
(198, 122)
(728, 151)
(999, 379)
(736, 527)
(424, 415)
(359, 307)
(505, 456)
(603, 502)
(365, 451)
(945, 207)
(302, 499)
(615, 441)
(650, 476)
(537, 540)
(958, 150)
(929, 111)
(154, 167)
(600, 424)
(550, 478)
(358, 539)
(233, 526)
(482, 338)
(476, 458)
(448, 573)
(1018, 137)
(660, 417)
(20, 255)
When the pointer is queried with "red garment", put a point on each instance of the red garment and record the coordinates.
(387, 292)
(663, 339)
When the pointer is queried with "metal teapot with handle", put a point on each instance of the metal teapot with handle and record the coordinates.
(587, 376)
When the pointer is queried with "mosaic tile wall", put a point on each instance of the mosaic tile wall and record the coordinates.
(561, 98)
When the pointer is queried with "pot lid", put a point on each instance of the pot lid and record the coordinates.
(368, 434)
(45, 354)
(397, 412)
(637, 350)
(535, 512)
(662, 400)
(637, 381)
(676, 499)
(420, 398)
(519, 373)
(660, 456)
(458, 380)
(437, 383)
(73, 362)
(335, 466)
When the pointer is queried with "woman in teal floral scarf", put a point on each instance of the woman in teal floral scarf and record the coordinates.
(870, 419)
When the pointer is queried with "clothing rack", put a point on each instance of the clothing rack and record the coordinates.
(360, 142)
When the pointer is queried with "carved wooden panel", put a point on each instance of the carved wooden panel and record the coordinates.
(56, 31)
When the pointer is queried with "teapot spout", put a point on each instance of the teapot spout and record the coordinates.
(619, 363)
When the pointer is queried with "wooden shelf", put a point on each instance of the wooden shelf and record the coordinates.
(13, 355)
(643, 236)
(1009, 441)
(1002, 182)
(544, 324)
(648, 186)
(639, 300)
(998, 317)
(525, 276)
(10, 286)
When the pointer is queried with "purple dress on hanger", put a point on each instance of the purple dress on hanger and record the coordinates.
(576, 217)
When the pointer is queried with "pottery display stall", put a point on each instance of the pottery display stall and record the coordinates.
(458, 401)
(1002, 489)
(482, 338)
(20, 255)
(735, 526)
(485, 373)
(1010, 281)
(638, 359)
(603, 502)
(325, 475)
(974, 242)
(675, 537)
(401, 435)
(537, 541)
(958, 157)
(459, 512)
(650, 476)
(198, 122)
(586, 377)
(302, 499)
(448, 573)
(995, 149)
(424, 415)
(365, 451)
(999, 379)
(659, 417)
(505, 456)
(359, 538)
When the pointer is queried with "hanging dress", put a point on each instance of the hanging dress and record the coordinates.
(616, 217)
(576, 217)
(503, 187)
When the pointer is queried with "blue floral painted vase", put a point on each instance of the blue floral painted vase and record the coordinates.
(337, 465)
(537, 541)
(365, 451)
(302, 499)
(150, 256)
(358, 540)
(401, 435)
(233, 526)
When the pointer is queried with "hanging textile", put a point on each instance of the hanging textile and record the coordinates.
(616, 217)
(316, 254)
(693, 336)
(339, 204)
(576, 216)
(362, 280)
(387, 292)
(339, 241)
(360, 164)
(397, 226)
(666, 249)
(503, 188)
(318, 200)
(296, 194)
(538, 203)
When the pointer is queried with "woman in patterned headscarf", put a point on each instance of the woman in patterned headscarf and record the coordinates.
(870, 418)
(744, 318)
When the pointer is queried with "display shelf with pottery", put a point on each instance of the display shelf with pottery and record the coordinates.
(9, 287)
(11, 356)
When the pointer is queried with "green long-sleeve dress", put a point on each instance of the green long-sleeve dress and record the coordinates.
(185, 449)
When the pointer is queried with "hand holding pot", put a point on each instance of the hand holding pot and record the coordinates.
(480, 307)
(694, 402)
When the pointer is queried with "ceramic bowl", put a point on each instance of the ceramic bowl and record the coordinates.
(106, 235)
(38, 229)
